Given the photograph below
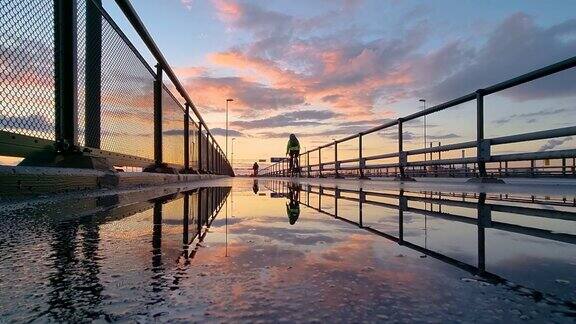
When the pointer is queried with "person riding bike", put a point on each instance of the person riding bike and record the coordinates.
(293, 150)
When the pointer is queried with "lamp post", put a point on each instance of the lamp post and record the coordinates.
(227, 101)
(423, 101)
(232, 164)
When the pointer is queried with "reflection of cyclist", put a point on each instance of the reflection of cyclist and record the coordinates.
(255, 167)
(293, 150)
(255, 187)
(293, 207)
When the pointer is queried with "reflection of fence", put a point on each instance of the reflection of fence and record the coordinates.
(430, 204)
(464, 166)
(72, 83)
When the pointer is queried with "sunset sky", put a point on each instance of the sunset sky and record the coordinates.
(326, 69)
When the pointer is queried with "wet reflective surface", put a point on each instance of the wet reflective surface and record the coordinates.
(247, 250)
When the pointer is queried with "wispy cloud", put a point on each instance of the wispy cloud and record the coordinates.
(222, 132)
(294, 118)
(553, 143)
(531, 116)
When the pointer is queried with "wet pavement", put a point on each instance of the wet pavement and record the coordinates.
(276, 251)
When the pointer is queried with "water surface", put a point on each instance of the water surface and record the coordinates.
(248, 250)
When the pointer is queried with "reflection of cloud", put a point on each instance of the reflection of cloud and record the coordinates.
(553, 143)
(298, 236)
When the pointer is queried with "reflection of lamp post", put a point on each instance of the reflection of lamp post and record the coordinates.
(233, 139)
(227, 101)
(423, 101)
(426, 224)
(226, 228)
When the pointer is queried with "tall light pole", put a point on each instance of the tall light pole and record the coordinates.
(232, 164)
(423, 101)
(227, 101)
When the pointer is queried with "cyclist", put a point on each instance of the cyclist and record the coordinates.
(293, 151)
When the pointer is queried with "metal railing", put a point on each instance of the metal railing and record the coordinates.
(465, 166)
(73, 84)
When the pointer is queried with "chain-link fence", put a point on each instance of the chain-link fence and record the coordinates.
(114, 86)
(115, 90)
(27, 67)
(172, 129)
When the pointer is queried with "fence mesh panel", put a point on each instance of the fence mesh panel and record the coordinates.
(172, 129)
(193, 145)
(27, 67)
(127, 92)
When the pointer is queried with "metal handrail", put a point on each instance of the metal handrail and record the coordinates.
(482, 156)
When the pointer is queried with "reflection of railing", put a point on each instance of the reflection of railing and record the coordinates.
(74, 227)
(404, 168)
(475, 202)
(73, 84)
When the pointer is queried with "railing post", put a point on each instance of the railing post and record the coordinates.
(482, 145)
(158, 116)
(308, 167)
(401, 153)
(361, 162)
(65, 69)
(208, 154)
(187, 138)
(336, 163)
(200, 169)
(320, 167)
(402, 206)
(92, 75)
(484, 219)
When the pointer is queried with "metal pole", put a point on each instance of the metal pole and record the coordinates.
(360, 158)
(200, 147)
(400, 149)
(209, 156)
(158, 116)
(187, 138)
(226, 127)
(308, 168)
(481, 153)
(92, 75)
(232, 165)
(185, 224)
(336, 163)
(65, 68)
(319, 163)
(483, 219)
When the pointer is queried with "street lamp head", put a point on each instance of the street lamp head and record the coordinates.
(229, 99)
(422, 100)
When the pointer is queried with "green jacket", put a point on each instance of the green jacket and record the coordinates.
(293, 145)
(293, 211)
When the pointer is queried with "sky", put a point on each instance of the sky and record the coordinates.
(324, 69)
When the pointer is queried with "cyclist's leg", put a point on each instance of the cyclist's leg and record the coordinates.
(297, 162)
